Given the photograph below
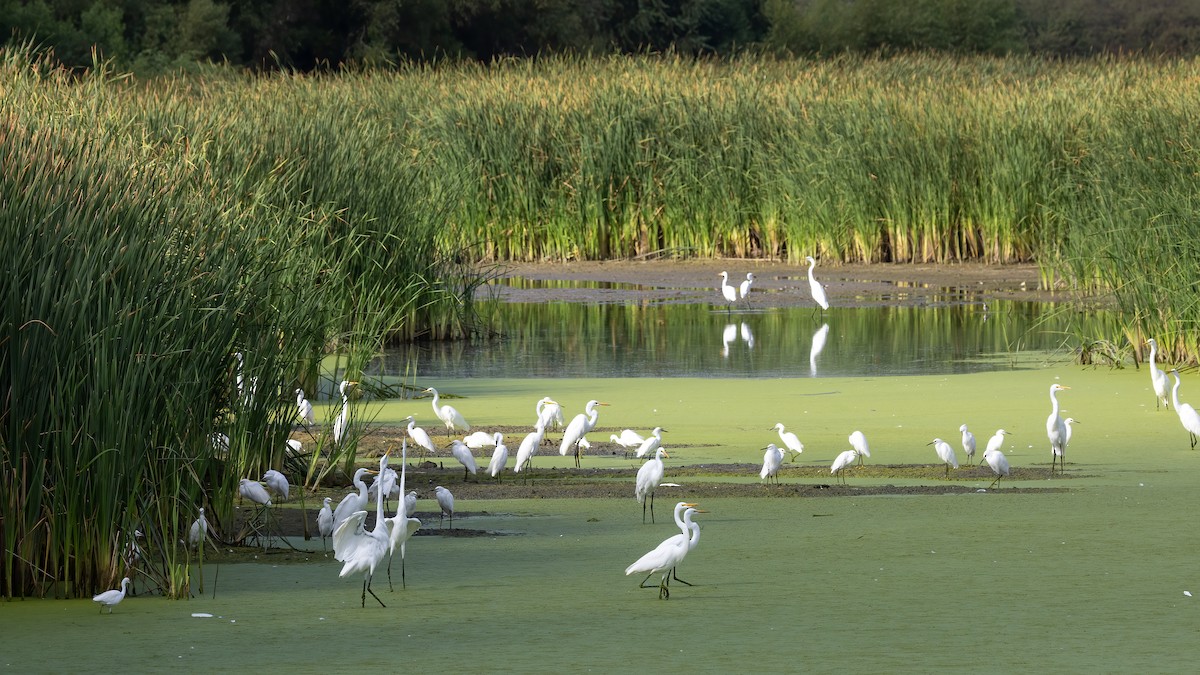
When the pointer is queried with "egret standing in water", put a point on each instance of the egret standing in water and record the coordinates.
(999, 464)
(1056, 430)
(968, 443)
(844, 459)
(499, 457)
(448, 414)
(401, 527)
(277, 483)
(111, 599)
(728, 291)
(1067, 425)
(772, 458)
(445, 500)
(198, 531)
(462, 453)
(360, 549)
(528, 448)
(790, 440)
(578, 428)
(814, 286)
(1187, 414)
(325, 520)
(648, 478)
(944, 453)
(1158, 379)
(744, 289)
(667, 555)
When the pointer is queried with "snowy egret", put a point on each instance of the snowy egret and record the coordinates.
(968, 443)
(304, 408)
(996, 441)
(944, 453)
(684, 526)
(254, 491)
(844, 459)
(277, 483)
(325, 520)
(858, 441)
(666, 556)
(529, 446)
(462, 453)
(480, 439)
(999, 464)
(354, 501)
(549, 413)
(419, 436)
(360, 549)
(1158, 378)
(648, 478)
(652, 443)
(728, 291)
(112, 598)
(744, 288)
(198, 531)
(1067, 425)
(772, 458)
(578, 428)
(1056, 430)
(343, 418)
(448, 414)
(499, 457)
(790, 440)
(410, 503)
(1187, 414)
(445, 500)
(814, 286)
(400, 526)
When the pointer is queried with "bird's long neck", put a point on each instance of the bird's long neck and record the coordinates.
(1053, 404)
(1153, 354)
(435, 402)
(695, 528)
(1175, 391)
(679, 520)
(811, 265)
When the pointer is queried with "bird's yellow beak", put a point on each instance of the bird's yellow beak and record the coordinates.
(665, 454)
(601, 404)
(700, 511)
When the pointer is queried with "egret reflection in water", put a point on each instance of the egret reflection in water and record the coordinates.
(747, 336)
(730, 335)
(818, 343)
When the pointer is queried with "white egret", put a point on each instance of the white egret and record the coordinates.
(578, 428)
(462, 453)
(652, 443)
(996, 441)
(999, 464)
(445, 501)
(744, 288)
(499, 457)
(728, 291)
(1067, 425)
(401, 527)
(448, 415)
(1187, 414)
(648, 478)
(360, 549)
(968, 443)
(111, 599)
(1158, 378)
(944, 453)
(343, 418)
(419, 436)
(629, 439)
(528, 448)
(353, 501)
(858, 441)
(666, 555)
(294, 447)
(410, 503)
(1056, 430)
(684, 526)
(817, 290)
(277, 483)
(478, 440)
(198, 531)
(549, 413)
(818, 344)
(844, 459)
(305, 408)
(388, 481)
(254, 491)
(789, 439)
(325, 520)
(772, 458)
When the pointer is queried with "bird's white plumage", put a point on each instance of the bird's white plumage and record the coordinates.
(448, 414)
(844, 459)
(649, 476)
(480, 439)
(772, 458)
(419, 436)
(814, 286)
(549, 413)
(499, 456)
(789, 439)
(254, 491)
(945, 453)
(651, 443)
(445, 500)
(627, 439)
(997, 440)
(1187, 414)
(968, 442)
(325, 518)
(729, 292)
(668, 554)
(462, 453)
(198, 531)
(353, 501)
(579, 427)
(744, 288)
(1056, 429)
(112, 598)
(304, 408)
(1158, 378)
(998, 462)
(277, 483)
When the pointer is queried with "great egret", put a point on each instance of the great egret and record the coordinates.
(578, 428)
(448, 415)
(549, 413)
(198, 531)
(772, 458)
(1056, 430)
(462, 453)
(1187, 414)
(648, 478)
(478, 440)
(968, 443)
(111, 599)
(844, 459)
(354, 501)
(996, 441)
(628, 439)
(652, 443)
(277, 483)
(728, 291)
(666, 555)
(817, 290)
(858, 441)
(1158, 378)
(528, 448)
(744, 288)
(790, 440)
(944, 453)
(304, 408)
(325, 520)
(343, 418)
(818, 344)
(685, 526)
(999, 464)
(499, 457)
(360, 549)
(401, 527)
(445, 501)
(419, 436)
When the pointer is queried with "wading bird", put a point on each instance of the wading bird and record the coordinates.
(549, 413)
(685, 526)
(304, 408)
(844, 459)
(579, 427)
(111, 599)
(343, 418)
(479, 440)
(277, 483)
(360, 549)
(1187, 414)
(651, 443)
(419, 436)
(790, 440)
(325, 520)
(527, 449)
(1158, 378)
(666, 556)
(1067, 425)
(728, 291)
(772, 458)
(744, 288)
(401, 527)
(499, 457)
(968, 443)
(858, 441)
(999, 464)
(1056, 430)
(448, 415)
(814, 286)
(445, 501)
(410, 503)
(462, 453)
(996, 441)
(944, 453)
(198, 531)
(629, 439)
(648, 478)
(353, 501)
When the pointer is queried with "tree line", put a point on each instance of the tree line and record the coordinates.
(156, 35)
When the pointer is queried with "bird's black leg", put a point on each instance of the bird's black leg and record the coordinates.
(664, 593)
(676, 577)
(403, 583)
(390, 587)
(651, 508)
(643, 511)
(643, 584)
(364, 593)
